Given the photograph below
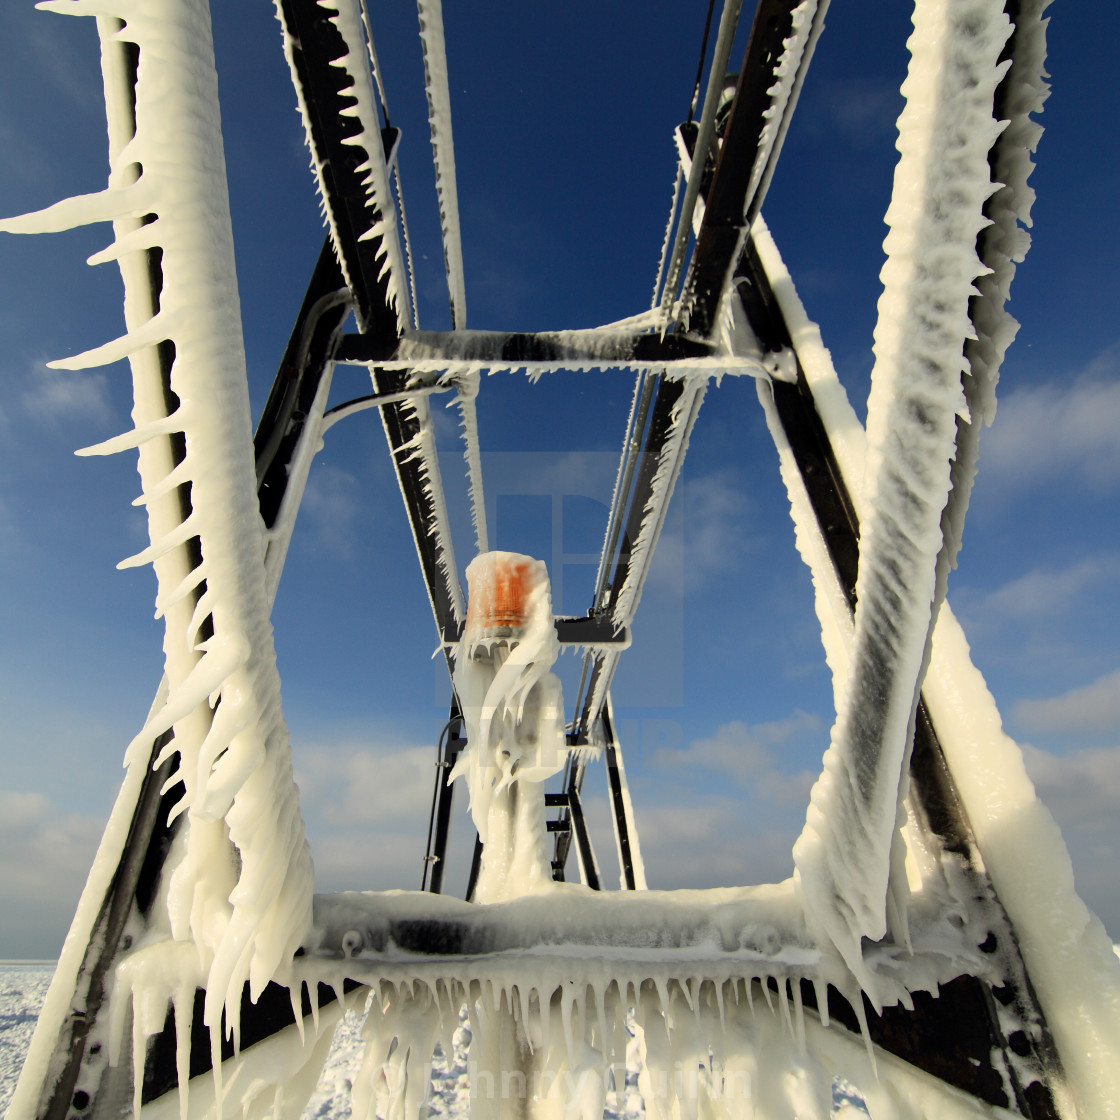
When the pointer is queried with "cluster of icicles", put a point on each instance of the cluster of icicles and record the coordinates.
(703, 1047)
(706, 1050)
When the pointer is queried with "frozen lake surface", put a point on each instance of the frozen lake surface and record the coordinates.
(23, 987)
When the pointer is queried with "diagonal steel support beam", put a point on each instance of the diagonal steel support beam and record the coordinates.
(952, 1036)
(316, 44)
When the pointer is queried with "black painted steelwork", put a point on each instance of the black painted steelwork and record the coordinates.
(402, 425)
(733, 198)
(450, 746)
(306, 360)
(316, 44)
(665, 422)
(618, 801)
(667, 393)
(572, 825)
(497, 348)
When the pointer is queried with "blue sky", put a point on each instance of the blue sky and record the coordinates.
(563, 120)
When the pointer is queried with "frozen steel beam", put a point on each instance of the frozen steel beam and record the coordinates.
(327, 98)
(1001, 1012)
(423, 351)
(306, 360)
(735, 194)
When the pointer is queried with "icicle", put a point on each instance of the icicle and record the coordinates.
(173, 480)
(163, 545)
(783, 1003)
(856, 1000)
(379, 203)
(654, 1074)
(295, 996)
(465, 398)
(130, 440)
(524, 1000)
(689, 989)
(820, 988)
(598, 995)
(544, 1006)
(664, 481)
(567, 1007)
(717, 990)
(799, 1013)
(82, 210)
(155, 330)
(667, 238)
(176, 594)
(144, 237)
(208, 674)
(183, 1003)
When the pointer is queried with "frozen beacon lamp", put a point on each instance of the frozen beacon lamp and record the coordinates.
(500, 586)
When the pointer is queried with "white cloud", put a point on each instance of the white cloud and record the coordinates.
(331, 503)
(368, 861)
(1093, 708)
(588, 474)
(54, 395)
(60, 69)
(66, 67)
(1052, 430)
(713, 842)
(365, 805)
(1043, 622)
(1044, 592)
(743, 753)
(862, 110)
(695, 831)
(363, 785)
(1082, 790)
(715, 510)
(46, 858)
(704, 535)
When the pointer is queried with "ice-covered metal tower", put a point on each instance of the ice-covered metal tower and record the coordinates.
(928, 911)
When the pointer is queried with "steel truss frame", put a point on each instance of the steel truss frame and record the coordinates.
(953, 1036)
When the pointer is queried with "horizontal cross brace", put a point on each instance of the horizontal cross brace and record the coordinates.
(437, 351)
(741, 927)
(584, 631)
(732, 932)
